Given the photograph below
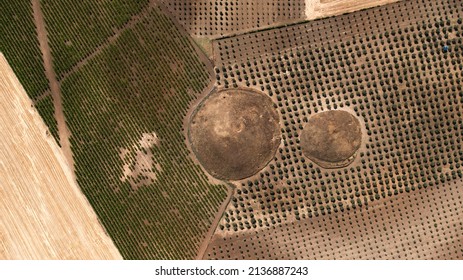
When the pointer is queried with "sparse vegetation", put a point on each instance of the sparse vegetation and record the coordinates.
(396, 76)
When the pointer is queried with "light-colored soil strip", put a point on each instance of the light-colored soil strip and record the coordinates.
(110, 40)
(63, 131)
(43, 213)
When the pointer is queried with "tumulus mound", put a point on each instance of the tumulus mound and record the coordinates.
(235, 133)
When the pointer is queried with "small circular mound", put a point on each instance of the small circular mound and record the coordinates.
(235, 133)
(331, 139)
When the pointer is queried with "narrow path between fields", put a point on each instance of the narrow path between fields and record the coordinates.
(111, 39)
(215, 223)
(41, 97)
(54, 84)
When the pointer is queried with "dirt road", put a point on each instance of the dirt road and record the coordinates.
(54, 84)
(215, 223)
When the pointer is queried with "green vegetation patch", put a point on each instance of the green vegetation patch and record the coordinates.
(47, 112)
(19, 44)
(125, 106)
(77, 28)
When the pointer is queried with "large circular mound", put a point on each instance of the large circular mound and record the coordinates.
(331, 139)
(235, 133)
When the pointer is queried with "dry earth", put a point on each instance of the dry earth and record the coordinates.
(43, 213)
(235, 133)
(331, 138)
(140, 167)
(424, 224)
(324, 8)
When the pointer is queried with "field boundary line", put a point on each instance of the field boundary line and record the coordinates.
(218, 217)
(202, 56)
(111, 39)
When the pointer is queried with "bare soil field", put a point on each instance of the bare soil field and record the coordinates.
(324, 8)
(44, 214)
(331, 138)
(235, 133)
(426, 224)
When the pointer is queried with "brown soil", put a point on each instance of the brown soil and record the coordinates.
(424, 224)
(140, 167)
(324, 8)
(332, 138)
(235, 133)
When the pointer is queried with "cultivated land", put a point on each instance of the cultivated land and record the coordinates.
(137, 106)
(20, 45)
(125, 109)
(397, 68)
(205, 18)
(44, 213)
(424, 224)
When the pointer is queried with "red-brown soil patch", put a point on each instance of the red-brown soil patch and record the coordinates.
(331, 139)
(235, 133)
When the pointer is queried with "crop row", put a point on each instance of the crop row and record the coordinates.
(206, 18)
(78, 28)
(334, 30)
(143, 83)
(404, 85)
(46, 109)
(19, 44)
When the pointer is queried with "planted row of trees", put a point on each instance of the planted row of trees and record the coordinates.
(403, 84)
(19, 44)
(219, 17)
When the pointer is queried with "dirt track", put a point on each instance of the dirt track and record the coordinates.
(63, 131)
(43, 213)
(204, 245)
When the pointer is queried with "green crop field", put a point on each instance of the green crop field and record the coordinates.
(77, 28)
(19, 44)
(47, 112)
(142, 84)
(140, 78)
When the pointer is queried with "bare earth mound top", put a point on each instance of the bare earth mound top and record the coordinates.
(331, 139)
(235, 133)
